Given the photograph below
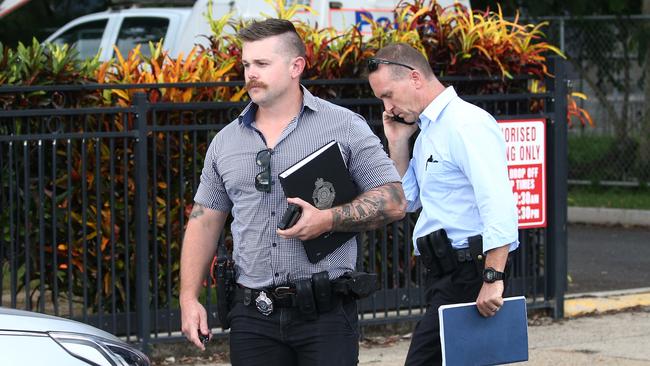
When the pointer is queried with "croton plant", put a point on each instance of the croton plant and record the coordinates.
(456, 41)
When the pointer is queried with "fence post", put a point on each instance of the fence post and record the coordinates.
(557, 151)
(562, 34)
(141, 222)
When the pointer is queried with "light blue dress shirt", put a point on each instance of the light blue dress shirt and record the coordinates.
(458, 176)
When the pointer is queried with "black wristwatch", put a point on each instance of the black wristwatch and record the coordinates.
(491, 275)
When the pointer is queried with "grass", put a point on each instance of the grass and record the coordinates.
(610, 197)
(585, 149)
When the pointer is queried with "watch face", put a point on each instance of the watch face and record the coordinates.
(489, 275)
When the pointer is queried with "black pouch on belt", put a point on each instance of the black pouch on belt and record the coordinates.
(426, 252)
(476, 251)
(443, 251)
(322, 291)
(359, 285)
(305, 299)
(225, 281)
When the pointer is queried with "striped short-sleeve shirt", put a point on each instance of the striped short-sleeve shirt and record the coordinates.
(262, 258)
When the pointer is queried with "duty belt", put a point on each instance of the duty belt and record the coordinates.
(463, 255)
(439, 257)
(281, 296)
(312, 296)
(267, 300)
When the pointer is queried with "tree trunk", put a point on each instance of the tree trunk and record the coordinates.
(644, 141)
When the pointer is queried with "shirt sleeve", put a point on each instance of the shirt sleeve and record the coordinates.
(478, 147)
(211, 192)
(368, 163)
(411, 189)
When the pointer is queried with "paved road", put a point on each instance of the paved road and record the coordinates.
(618, 339)
(608, 258)
(615, 339)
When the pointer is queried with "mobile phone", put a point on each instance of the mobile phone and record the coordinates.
(203, 338)
(290, 217)
(401, 120)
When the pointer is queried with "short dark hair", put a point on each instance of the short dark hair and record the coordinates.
(405, 54)
(263, 29)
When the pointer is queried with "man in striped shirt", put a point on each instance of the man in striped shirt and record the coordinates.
(288, 122)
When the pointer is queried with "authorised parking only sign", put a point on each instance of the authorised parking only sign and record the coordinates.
(526, 157)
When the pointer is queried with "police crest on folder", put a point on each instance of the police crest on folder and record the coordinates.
(322, 179)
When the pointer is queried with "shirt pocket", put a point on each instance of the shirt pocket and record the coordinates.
(440, 173)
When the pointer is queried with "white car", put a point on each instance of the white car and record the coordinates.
(125, 29)
(28, 338)
(182, 27)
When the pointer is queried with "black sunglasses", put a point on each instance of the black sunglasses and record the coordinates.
(373, 64)
(263, 179)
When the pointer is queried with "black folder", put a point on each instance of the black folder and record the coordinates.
(322, 179)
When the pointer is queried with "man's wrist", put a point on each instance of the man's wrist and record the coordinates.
(398, 144)
(185, 298)
(329, 221)
(491, 275)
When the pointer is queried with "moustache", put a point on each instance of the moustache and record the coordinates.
(255, 84)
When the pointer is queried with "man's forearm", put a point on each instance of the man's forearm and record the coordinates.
(497, 258)
(199, 247)
(371, 209)
(399, 153)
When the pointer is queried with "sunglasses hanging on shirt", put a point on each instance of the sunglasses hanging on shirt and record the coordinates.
(263, 179)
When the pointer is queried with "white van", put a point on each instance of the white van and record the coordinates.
(183, 27)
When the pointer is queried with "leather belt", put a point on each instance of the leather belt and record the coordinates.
(281, 296)
(267, 300)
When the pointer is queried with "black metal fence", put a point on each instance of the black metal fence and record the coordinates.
(94, 202)
(608, 62)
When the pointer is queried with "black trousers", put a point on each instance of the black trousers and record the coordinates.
(285, 338)
(462, 285)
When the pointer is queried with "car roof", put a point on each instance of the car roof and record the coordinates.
(27, 321)
(147, 12)
(139, 11)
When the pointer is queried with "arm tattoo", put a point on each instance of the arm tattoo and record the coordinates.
(197, 211)
(369, 210)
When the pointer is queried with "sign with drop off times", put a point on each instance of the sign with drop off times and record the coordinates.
(526, 157)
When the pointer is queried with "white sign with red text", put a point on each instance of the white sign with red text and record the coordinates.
(526, 157)
(7, 6)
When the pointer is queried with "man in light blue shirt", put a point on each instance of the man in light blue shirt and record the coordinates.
(458, 176)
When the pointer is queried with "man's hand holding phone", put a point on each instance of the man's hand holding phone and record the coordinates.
(401, 120)
(290, 217)
(397, 129)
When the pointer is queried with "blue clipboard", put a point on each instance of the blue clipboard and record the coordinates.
(467, 338)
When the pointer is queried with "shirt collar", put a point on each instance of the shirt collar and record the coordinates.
(247, 116)
(437, 105)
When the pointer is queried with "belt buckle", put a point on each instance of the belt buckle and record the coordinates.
(282, 291)
(263, 304)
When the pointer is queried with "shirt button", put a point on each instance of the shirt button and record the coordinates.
(277, 275)
(275, 245)
(272, 213)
